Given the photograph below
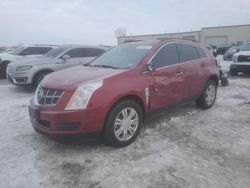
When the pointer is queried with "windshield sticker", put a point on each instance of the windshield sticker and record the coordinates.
(144, 47)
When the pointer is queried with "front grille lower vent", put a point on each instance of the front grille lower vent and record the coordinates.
(47, 96)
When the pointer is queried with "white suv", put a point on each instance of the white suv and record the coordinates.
(241, 61)
(20, 52)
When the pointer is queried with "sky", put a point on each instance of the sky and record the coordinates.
(94, 21)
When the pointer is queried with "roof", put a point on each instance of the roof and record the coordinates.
(154, 42)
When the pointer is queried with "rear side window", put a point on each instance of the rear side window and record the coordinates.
(188, 52)
(201, 52)
(168, 55)
(35, 50)
(92, 52)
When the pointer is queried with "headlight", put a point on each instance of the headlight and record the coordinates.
(82, 95)
(235, 59)
(22, 68)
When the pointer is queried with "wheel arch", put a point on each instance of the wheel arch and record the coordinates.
(215, 78)
(41, 71)
(131, 97)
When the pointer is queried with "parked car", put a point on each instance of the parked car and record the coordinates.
(230, 52)
(241, 61)
(2, 49)
(114, 93)
(222, 49)
(20, 52)
(30, 72)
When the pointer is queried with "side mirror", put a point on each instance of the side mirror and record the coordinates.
(237, 50)
(65, 58)
(150, 66)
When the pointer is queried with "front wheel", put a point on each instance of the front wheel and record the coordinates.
(233, 72)
(208, 96)
(123, 124)
(39, 77)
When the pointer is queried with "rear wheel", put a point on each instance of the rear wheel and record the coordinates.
(39, 77)
(208, 95)
(123, 124)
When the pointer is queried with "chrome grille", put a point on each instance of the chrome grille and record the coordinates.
(243, 58)
(46, 96)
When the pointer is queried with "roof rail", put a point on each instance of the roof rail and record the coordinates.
(166, 38)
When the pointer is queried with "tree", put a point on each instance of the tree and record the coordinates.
(120, 32)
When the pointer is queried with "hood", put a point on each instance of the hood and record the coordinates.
(243, 53)
(8, 57)
(33, 61)
(71, 78)
(230, 53)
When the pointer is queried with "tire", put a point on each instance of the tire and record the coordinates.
(39, 77)
(119, 132)
(3, 68)
(208, 96)
(224, 81)
(233, 72)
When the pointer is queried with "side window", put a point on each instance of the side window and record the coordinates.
(168, 55)
(188, 52)
(201, 52)
(92, 52)
(74, 53)
(35, 50)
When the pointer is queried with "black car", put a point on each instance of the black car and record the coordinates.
(230, 52)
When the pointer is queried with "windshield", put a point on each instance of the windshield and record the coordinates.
(18, 50)
(54, 53)
(246, 47)
(122, 57)
(233, 49)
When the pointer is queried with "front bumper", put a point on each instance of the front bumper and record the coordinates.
(61, 122)
(18, 77)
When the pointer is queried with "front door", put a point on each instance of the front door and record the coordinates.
(75, 58)
(168, 78)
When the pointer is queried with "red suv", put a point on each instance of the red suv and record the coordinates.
(115, 92)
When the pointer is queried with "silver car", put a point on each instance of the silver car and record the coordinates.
(31, 71)
(23, 51)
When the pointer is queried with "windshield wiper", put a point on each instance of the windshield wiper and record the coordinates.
(105, 66)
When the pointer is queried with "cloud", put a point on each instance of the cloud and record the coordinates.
(94, 22)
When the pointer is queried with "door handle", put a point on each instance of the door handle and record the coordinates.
(202, 64)
(179, 73)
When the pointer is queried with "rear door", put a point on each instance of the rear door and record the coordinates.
(192, 65)
(168, 81)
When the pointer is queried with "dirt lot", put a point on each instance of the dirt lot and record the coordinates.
(186, 147)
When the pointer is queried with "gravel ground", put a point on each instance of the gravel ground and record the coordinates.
(184, 147)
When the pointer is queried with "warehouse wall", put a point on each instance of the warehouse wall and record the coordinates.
(194, 35)
(225, 35)
(218, 36)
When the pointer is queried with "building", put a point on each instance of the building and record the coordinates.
(215, 36)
